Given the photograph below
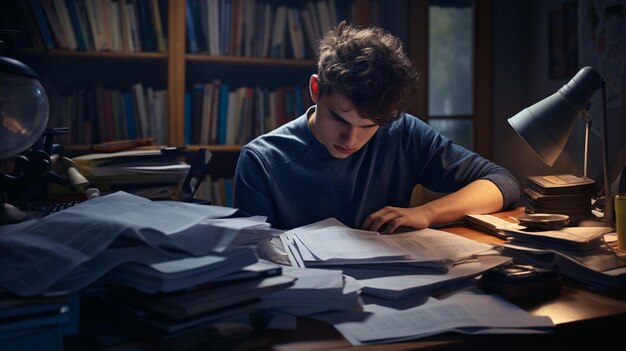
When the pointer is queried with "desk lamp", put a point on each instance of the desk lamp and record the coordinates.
(546, 125)
(23, 120)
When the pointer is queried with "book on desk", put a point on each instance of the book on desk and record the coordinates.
(560, 194)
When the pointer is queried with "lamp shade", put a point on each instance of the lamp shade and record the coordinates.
(546, 125)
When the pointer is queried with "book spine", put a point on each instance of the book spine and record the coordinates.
(130, 115)
(157, 29)
(42, 24)
(188, 124)
(223, 114)
(192, 41)
(145, 25)
(72, 10)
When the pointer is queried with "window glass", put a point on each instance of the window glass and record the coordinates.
(459, 130)
(450, 58)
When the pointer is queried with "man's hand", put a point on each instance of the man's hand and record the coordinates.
(394, 217)
(478, 197)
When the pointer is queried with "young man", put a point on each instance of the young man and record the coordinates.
(357, 156)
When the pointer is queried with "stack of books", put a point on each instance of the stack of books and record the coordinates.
(153, 174)
(173, 317)
(563, 194)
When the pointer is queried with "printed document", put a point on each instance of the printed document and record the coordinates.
(465, 312)
(320, 244)
(38, 254)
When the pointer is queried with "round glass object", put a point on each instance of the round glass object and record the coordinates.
(23, 113)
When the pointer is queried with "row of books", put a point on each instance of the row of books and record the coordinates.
(96, 25)
(217, 191)
(99, 114)
(217, 114)
(261, 28)
(214, 114)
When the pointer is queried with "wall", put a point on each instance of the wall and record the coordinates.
(520, 74)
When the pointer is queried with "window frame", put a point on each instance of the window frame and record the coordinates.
(481, 117)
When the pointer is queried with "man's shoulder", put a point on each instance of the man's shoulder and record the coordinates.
(292, 132)
(408, 119)
(408, 128)
(281, 144)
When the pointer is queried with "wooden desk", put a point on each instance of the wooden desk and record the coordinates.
(584, 319)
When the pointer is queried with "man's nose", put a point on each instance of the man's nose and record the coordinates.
(350, 135)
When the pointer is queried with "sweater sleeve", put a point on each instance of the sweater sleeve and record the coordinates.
(251, 190)
(450, 167)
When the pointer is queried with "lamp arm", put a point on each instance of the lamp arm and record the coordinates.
(608, 200)
(586, 155)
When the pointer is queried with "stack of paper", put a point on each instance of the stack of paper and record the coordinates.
(464, 312)
(149, 173)
(72, 248)
(329, 243)
(140, 326)
(581, 238)
(577, 253)
(315, 291)
(185, 273)
(396, 287)
(179, 312)
(491, 224)
(162, 269)
(210, 297)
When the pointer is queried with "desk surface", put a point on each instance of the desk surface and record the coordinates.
(583, 318)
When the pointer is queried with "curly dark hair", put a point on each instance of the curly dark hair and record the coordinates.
(367, 65)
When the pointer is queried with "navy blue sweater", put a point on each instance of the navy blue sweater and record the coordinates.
(288, 176)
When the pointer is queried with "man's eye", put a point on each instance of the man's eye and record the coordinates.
(338, 119)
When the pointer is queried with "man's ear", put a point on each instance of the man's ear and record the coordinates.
(314, 87)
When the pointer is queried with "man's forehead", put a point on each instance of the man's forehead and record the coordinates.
(343, 103)
(343, 108)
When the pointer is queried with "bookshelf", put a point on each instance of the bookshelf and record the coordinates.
(173, 67)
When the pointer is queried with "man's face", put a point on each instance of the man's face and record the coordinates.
(337, 125)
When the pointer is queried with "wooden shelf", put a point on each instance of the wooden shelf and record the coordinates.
(254, 61)
(216, 148)
(99, 54)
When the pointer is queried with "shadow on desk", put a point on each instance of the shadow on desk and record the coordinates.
(313, 335)
(584, 319)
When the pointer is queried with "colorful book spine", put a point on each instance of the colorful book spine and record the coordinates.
(145, 25)
(130, 115)
(223, 114)
(72, 11)
(192, 41)
(42, 23)
(188, 124)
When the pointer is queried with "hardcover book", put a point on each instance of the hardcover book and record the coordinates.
(561, 184)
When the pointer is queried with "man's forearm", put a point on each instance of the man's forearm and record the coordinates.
(478, 197)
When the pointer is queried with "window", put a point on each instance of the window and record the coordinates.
(450, 57)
